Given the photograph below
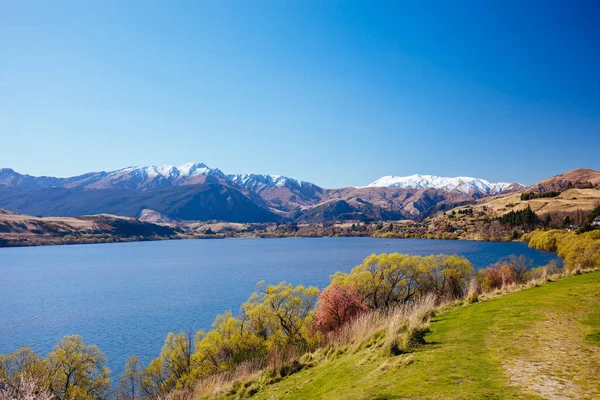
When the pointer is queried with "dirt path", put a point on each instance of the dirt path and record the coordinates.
(556, 361)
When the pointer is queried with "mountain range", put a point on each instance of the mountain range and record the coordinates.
(463, 184)
(194, 191)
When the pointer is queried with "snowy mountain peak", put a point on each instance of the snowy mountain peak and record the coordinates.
(462, 184)
(254, 181)
(170, 171)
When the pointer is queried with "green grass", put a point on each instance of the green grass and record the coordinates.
(593, 321)
(537, 343)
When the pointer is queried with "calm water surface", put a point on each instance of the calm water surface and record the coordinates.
(126, 297)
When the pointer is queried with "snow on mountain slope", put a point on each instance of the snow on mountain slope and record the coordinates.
(140, 178)
(462, 184)
(279, 192)
(159, 176)
(156, 176)
(255, 182)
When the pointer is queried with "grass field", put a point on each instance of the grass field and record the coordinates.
(542, 342)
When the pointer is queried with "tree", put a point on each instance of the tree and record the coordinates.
(77, 371)
(383, 280)
(336, 306)
(130, 380)
(231, 342)
(444, 275)
(22, 366)
(522, 217)
(519, 266)
(172, 367)
(281, 313)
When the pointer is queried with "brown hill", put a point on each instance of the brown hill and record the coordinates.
(568, 202)
(578, 190)
(580, 178)
(378, 203)
(21, 229)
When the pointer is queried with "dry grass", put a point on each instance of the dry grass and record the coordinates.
(24, 223)
(403, 321)
(393, 331)
(217, 385)
(567, 202)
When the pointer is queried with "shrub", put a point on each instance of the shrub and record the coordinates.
(336, 306)
(544, 272)
(444, 276)
(507, 271)
(490, 278)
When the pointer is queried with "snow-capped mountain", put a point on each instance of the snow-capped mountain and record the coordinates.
(156, 176)
(462, 184)
(194, 191)
(139, 178)
(255, 182)
(159, 176)
(278, 191)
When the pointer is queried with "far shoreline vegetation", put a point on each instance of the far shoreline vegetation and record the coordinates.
(462, 223)
(386, 302)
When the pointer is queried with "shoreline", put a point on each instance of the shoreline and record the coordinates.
(59, 241)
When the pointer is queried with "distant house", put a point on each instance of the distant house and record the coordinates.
(596, 222)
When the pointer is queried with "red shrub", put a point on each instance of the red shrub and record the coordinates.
(336, 306)
(496, 276)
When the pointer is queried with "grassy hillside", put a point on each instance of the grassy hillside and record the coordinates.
(567, 202)
(542, 342)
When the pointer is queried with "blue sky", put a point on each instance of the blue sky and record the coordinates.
(337, 93)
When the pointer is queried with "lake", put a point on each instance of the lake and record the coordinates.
(126, 297)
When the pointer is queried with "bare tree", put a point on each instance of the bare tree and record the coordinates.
(29, 389)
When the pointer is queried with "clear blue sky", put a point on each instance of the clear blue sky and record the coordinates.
(337, 93)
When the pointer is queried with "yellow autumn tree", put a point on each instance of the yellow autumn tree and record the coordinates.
(281, 314)
(384, 280)
(77, 371)
(20, 366)
(171, 369)
(444, 275)
(130, 380)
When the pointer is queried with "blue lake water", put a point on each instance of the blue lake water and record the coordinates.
(126, 297)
